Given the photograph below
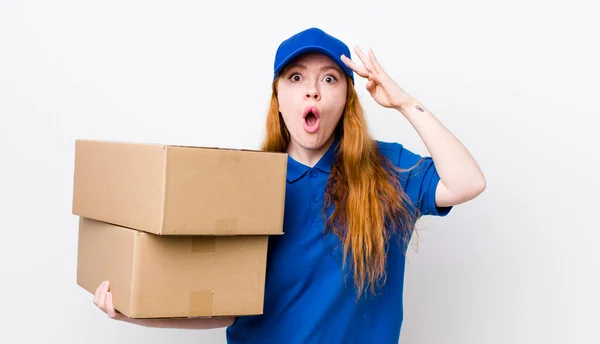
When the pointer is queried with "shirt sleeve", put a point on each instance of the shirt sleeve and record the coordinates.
(420, 181)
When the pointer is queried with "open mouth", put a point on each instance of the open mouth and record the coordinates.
(311, 114)
(311, 119)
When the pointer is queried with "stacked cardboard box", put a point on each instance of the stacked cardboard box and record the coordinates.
(178, 231)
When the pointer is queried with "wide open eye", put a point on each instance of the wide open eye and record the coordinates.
(295, 77)
(330, 79)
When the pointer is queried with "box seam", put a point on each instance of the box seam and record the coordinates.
(164, 191)
(134, 273)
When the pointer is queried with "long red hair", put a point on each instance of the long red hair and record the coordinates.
(369, 203)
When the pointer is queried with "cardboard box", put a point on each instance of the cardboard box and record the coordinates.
(156, 276)
(180, 190)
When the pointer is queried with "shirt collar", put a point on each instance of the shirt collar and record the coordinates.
(328, 159)
(296, 170)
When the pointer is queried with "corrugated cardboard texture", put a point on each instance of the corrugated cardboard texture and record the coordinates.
(175, 190)
(173, 276)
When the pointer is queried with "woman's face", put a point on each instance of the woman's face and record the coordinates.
(312, 96)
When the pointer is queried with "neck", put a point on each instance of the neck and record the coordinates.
(308, 157)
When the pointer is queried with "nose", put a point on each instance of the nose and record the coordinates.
(313, 93)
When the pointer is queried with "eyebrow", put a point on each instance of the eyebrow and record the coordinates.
(324, 68)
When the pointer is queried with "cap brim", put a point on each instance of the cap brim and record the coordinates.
(310, 49)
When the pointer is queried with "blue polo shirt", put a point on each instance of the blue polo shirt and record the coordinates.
(308, 297)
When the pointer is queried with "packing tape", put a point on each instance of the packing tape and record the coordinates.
(225, 226)
(201, 303)
(203, 244)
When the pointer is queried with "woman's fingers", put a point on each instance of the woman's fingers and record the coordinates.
(365, 60)
(360, 70)
(102, 296)
(370, 86)
(375, 78)
(109, 306)
(376, 64)
(97, 295)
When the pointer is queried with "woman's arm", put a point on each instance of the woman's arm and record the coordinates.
(461, 179)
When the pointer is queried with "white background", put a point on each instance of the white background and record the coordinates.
(516, 81)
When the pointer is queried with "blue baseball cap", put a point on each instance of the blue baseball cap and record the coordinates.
(312, 40)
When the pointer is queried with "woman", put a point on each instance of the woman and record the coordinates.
(337, 274)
